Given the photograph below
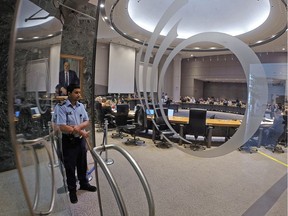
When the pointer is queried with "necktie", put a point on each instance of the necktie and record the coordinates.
(66, 79)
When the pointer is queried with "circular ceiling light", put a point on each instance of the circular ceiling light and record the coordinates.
(231, 17)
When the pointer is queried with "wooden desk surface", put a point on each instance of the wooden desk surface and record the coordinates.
(210, 122)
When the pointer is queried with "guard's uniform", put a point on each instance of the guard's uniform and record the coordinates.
(73, 147)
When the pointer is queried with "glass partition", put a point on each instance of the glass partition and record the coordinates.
(36, 65)
(240, 79)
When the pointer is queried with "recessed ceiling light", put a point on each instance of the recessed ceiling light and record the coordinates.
(20, 38)
(50, 35)
(102, 5)
(36, 37)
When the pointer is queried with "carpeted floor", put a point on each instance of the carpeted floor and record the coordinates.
(238, 183)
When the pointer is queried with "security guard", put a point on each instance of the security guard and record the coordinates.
(72, 119)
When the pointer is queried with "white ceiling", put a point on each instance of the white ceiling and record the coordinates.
(195, 17)
(240, 10)
(225, 14)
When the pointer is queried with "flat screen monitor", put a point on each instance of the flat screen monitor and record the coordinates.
(122, 108)
(17, 113)
(150, 111)
(35, 111)
(170, 112)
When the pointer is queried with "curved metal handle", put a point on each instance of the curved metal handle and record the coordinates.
(52, 200)
(112, 182)
(32, 143)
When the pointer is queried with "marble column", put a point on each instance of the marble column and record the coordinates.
(176, 78)
(78, 39)
(6, 20)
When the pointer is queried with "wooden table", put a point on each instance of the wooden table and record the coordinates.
(209, 122)
(182, 121)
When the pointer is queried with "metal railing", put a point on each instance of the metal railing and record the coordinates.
(95, 152)
(33, 143)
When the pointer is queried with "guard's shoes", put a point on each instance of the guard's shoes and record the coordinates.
(88, 187)
(73, 197)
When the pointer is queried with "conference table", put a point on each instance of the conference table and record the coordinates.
(211, 123)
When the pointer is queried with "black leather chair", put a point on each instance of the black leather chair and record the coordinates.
(139, 125)
(283, 138)
(121, 120)
(196, 127)
(162, 129)
(103, 113)
(27, 125)
(271, 135)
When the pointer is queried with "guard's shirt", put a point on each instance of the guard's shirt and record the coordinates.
(69, 115)
(55, 113)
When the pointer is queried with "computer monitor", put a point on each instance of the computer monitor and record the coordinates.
(170, 112)
(150, 111)
(122, 108)
(17, 113)
(35, 110)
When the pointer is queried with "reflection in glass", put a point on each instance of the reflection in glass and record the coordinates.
(37, 54)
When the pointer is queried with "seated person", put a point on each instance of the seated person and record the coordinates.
(60, 91)
(107, 109)
(272, 134)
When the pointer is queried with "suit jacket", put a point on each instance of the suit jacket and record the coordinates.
(73, 78)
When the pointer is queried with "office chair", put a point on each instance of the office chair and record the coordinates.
(101, 115)
(253, 143)
(283, 138)
(139, 125)
(121, 120)
(196, 127)
(27, 125)
(163, 130)
(271, 135)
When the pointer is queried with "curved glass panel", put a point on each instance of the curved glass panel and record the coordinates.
(35, 75)
(236, 85)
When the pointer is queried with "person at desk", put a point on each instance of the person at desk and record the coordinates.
(108, 112)
(272, 134)
(67, 77)
(72, 119)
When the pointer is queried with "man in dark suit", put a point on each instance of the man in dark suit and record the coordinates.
(67, 77)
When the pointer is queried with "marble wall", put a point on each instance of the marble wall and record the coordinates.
(77, 39)
(6, 19)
